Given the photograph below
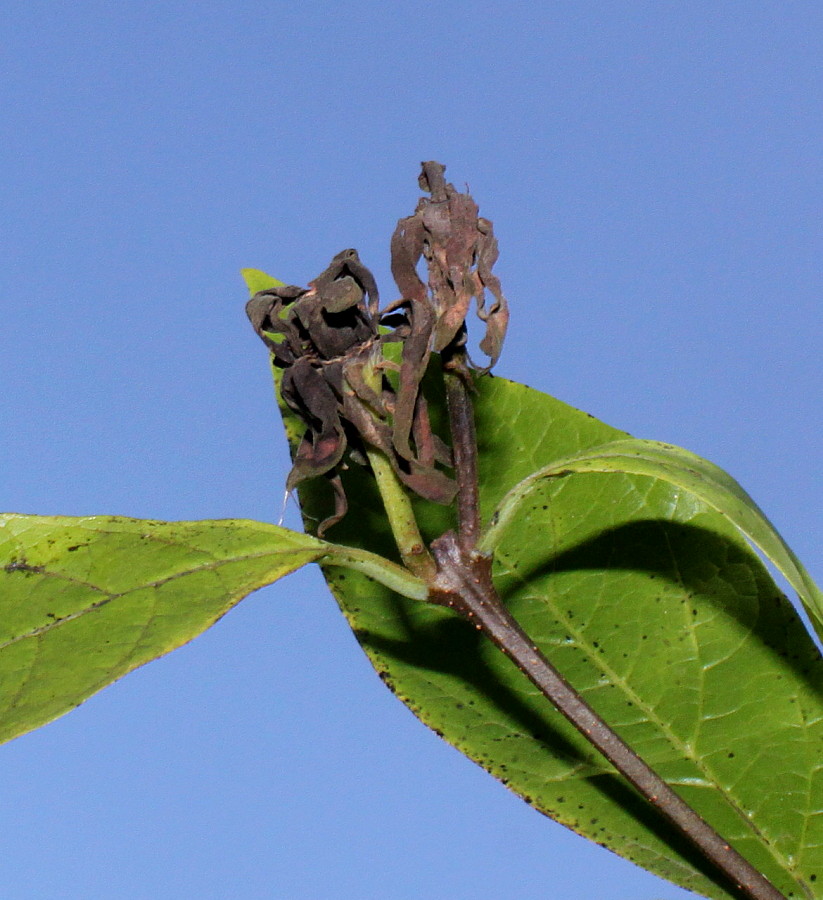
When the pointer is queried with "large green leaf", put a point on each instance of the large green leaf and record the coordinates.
(681, 468)
(83, 601)
(655, 608)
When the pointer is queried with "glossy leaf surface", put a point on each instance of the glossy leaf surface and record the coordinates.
(654, 607)
(682, 469)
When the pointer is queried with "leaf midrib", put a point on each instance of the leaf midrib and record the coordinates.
(109, 597)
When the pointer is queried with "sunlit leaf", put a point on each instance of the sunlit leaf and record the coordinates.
(83, 601)
(656, 609)
(256, 280)
(680, 468)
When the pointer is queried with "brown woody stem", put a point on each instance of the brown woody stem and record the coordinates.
(464, 448)
(464, 584)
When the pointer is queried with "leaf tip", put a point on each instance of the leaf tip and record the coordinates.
(258, 280)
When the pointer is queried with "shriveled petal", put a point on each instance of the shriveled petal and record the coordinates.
(307, 393)
(267, 312)
(406, 250)
(460, 250)
(417, 335)
(341, 505)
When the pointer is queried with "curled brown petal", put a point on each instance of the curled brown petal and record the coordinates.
(306, 393)
(406, 250)
(266, 313)
(341, 505)
(416, 333)
(460, 249)
(329, 342)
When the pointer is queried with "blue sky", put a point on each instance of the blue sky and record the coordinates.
(654, 173)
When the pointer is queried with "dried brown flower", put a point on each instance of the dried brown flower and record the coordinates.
(333, 344)
(460, 250)
(327, 341)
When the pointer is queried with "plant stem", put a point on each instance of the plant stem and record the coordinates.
(396, 501)
(378, 568)
(401, 517)
(464, 584)
(464, 448)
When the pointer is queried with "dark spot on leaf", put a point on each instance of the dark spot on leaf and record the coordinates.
(387, 680)
(72, 549)
(22, 566)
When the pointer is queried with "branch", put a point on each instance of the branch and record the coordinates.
(464, 584)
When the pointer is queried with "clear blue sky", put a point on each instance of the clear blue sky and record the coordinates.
(654, 173)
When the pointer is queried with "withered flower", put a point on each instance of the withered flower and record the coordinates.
(333, 343)
(460, 250)
(327, 341)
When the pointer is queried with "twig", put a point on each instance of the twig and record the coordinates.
(464, 584)
(397, 503)
(401, 516)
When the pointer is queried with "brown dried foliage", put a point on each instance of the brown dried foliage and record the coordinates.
(328, 341)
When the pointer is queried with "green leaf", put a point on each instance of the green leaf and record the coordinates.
(681, 468)
(256, 280)
(654, 607)
(83, 601)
